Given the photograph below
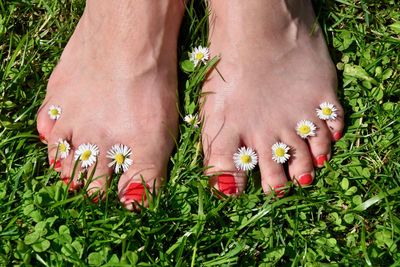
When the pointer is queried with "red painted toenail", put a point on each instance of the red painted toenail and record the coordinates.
(95, 200)
(56, 165)
(72, 186)
(305, 179)
(227, 184)
(42, 138)
(321, 159)
(279, 191)
(136, 192)
(337, 136)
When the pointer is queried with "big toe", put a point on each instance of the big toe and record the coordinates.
(219, 150)
(139, 184)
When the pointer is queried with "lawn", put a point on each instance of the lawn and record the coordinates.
(349, 216)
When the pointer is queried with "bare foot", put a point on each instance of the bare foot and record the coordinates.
(116, 84)
(276, 72)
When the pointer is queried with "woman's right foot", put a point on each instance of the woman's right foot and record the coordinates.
(116, 84)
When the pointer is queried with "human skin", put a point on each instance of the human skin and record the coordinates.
(276, 71)
(116, 83)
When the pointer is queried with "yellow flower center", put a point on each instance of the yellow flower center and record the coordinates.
(327, 111)
(280, 152)
(54, 112)
(304, 129)
(62, 147)
(246, 159)
(119, 158)
(86, 154)
(199, 56)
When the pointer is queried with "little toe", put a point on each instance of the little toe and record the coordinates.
(301, 168)
(44, 123)
(224, 175)
(273, 177)
(320, 145)
(336, 125)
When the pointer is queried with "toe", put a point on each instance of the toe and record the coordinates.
(273, 177)
(138, 185)
(44, 124)
(141, 181)
(99, 176)
(301, 169)
(69, 174)
(336, 126)
(218, 154)
(320, 145)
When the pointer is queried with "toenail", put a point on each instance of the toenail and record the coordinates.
(95, 200)
(305, 179)
(42, 138)
(320, 160)
(56, 164)
(227, 184)
(337, 136)
(72, 186)
(279, 190)
(136, 192)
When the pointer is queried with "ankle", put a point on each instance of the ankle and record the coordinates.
(274, 18)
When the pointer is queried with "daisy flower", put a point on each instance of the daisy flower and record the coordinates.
(245, 159)
(87, 154)
(280, 152)
(120, 157)
(63, 148)
(192, 120)
(305, 128)
(54, 112)
(326, 111)
(199, 54)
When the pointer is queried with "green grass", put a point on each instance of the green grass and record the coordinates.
(350, 216)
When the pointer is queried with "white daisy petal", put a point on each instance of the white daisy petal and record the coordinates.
(87, 154)
(305, 128)
(192, 120)
(120, 156)
(245, 159)
(327, 111)
(63, 148)
(280, 152)
(54, 112)
(199, 54)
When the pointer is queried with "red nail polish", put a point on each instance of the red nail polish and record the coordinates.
(42, 137)
(56, 165)
(321, 159)
(95, 200)
(337, 136)
(136, 192)
(73, 186)
(227, 184)
(279, 192)
(305, 179)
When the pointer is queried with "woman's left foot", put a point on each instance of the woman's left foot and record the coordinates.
(276, 71)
